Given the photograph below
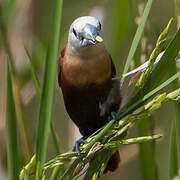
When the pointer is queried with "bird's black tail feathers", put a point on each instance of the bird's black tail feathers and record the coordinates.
(113, 162)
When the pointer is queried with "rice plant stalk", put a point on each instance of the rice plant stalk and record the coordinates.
(172, 153)
(12, 148)
(39, 92)
(48, 90)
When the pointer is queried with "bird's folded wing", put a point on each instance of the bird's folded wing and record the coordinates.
(59, 65)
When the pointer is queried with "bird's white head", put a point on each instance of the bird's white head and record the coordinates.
(85, 32)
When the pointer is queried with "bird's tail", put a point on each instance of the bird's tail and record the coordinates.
(113, 162)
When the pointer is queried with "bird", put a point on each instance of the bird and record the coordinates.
(86, 76)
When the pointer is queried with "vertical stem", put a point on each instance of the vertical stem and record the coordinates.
(176, 85)
(60, 168)
(172, 153)
(148, 165)
(177, 125)
(173, 69)
(12, 150)
(48, 90)
(146, 150)
(57, 170)
(118, 30)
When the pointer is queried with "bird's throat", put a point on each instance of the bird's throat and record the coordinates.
(82, 69)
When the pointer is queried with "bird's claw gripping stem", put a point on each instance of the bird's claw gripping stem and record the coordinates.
(77, 144)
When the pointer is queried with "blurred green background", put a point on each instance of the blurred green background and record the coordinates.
(29, 23)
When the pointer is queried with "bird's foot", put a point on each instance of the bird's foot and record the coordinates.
(112, 116)
(77, 144)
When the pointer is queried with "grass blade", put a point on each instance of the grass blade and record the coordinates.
(174, 164)
(4, 39)
(137, 37)
(118, 30)
(39, 92)
(146, 152)
(9, 11)
(48, 90)
(172, 154)
(12, 148)
(34, 76)
(167, 59)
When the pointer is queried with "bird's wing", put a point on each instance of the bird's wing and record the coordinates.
(61, 57)
(113, 69)
(131, 78)
(113, 100)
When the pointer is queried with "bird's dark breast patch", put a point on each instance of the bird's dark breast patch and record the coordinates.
(86, 81)
(82, 104)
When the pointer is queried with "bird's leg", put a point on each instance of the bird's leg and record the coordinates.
(112, 116)
(77, 144)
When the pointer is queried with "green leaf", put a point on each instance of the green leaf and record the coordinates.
(137, 37)
(118, 30)
(169, 55)
(12, 148)
(39, 92)
(48, 90)
(9, 11)
(146, 152)
(34, 76)
(4, 39)
(173, 153)
(176, 123)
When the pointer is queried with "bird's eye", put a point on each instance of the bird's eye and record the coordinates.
(81, 38)
(75, 33)
(78, 36)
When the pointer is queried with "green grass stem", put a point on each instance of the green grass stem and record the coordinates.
(172, 153)
(12, 148)
(53, 133)
(48, 90)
